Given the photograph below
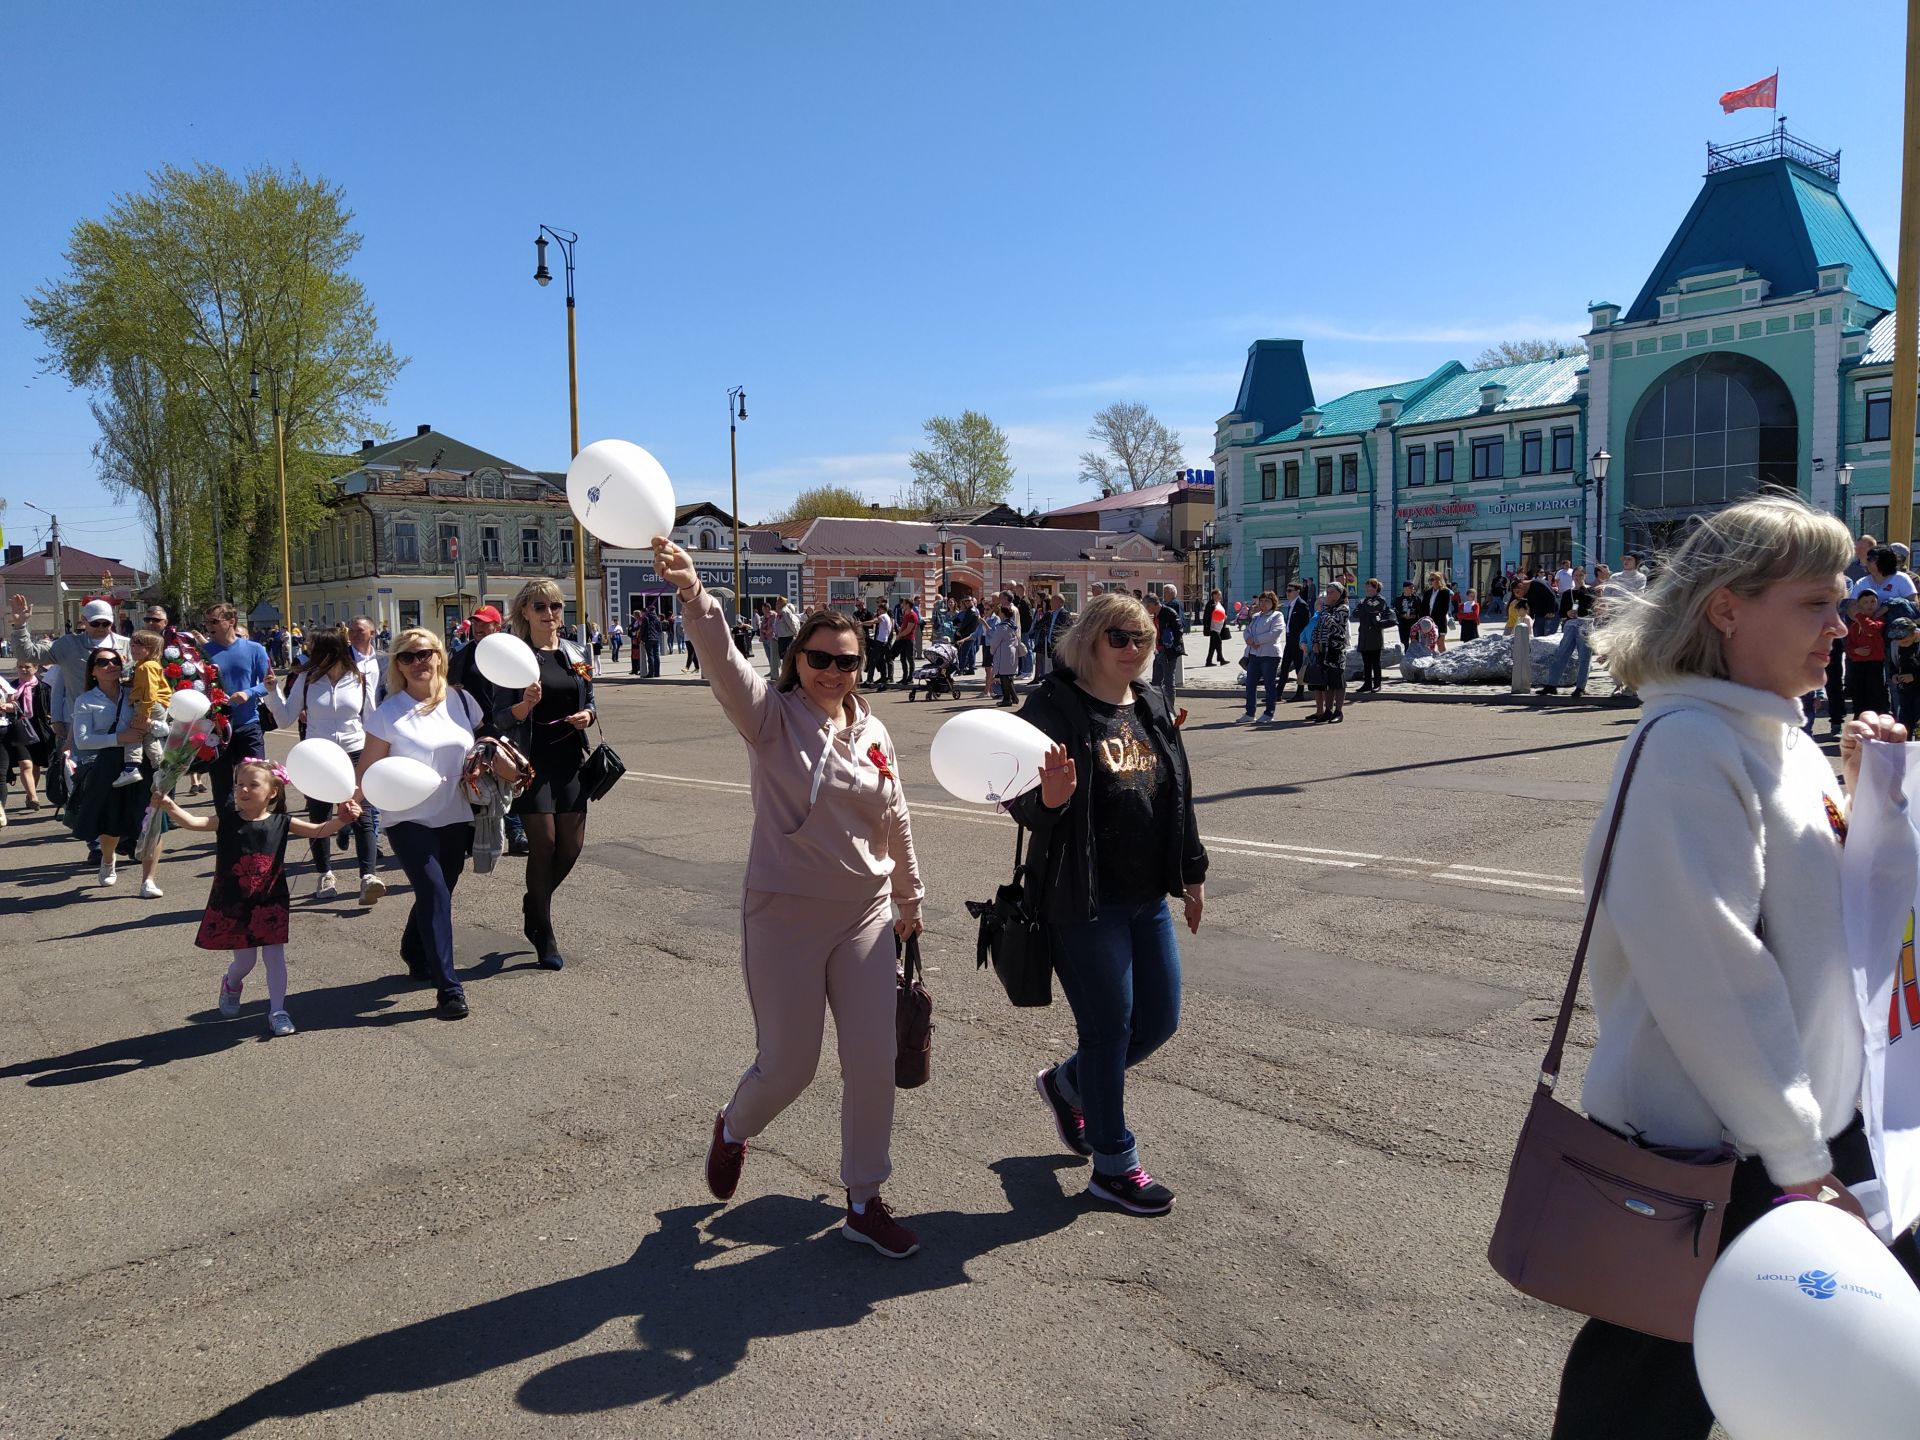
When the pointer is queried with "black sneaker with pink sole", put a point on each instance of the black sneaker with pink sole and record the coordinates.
(1136, 1191)
(1068, 1123)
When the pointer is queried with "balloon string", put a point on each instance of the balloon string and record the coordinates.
(1007, 789)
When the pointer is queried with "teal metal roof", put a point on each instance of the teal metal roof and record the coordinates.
(1530, 386)
(1879, 349)
(1358, 411)
(1775, 217)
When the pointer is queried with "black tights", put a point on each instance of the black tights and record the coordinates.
(553, 845)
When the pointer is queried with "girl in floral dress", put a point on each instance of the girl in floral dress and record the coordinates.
(247, 909)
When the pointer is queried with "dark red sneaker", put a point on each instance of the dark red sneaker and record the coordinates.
(1067, 1121)
(878, 1228)
(724, 1161)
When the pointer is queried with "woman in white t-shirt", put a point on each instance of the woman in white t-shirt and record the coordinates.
(422, 720)
(1884, 577)
(330, 698)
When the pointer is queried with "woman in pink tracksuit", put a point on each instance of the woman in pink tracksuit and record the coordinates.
(831, 858)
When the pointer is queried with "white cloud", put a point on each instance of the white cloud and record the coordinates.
(1473, 333)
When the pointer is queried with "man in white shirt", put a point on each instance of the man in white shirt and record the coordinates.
(880, 652)
(363, 641)
(1563, 579)
(1628, 579)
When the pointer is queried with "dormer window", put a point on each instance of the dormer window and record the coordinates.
(1492, 394)
(1310, 419)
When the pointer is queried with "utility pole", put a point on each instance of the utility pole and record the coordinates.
(1906, 306)
(59, 591)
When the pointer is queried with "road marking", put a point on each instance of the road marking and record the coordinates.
(1409, 866)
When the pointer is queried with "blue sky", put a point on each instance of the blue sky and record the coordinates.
(872, 213)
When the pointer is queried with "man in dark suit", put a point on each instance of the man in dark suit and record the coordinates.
(1292, 661)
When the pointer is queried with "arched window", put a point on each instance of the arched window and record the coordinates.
(1711, 430)
(708, 540)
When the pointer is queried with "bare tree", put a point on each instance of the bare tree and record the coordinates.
(1520, 352)
(964, 467)
(1136, 450)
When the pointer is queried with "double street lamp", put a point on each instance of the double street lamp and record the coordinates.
(738, 394)
(280, 465)
(566, 240)
(943, 534)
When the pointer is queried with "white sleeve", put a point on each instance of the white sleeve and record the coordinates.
(1687, 876)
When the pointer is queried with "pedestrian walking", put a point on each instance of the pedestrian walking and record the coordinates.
(550, 719)
(1170, 625)
(421, 720)
(880, 648)
(247, 907)
(831, 857)
(1265, 634)
(29, 738)
(1726, 1010)
(636, 627)
(1371, 616)
(327, 698)
(1114, 836)
(652, 632)
(786, 625)
(1003, 654)
(1217, 630)
(100, 811)
(617, 636)
(1327, 660)
(245, 670)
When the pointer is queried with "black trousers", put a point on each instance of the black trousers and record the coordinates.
(1619, 1383)
(1370, 668)
(1216, 655)
(1867, 686)
(1292, 662)
(433, 857)
(1837, 685)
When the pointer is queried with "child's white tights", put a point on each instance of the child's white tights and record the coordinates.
(276, 957)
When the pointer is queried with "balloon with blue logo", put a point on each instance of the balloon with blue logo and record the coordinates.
(621, 494)
(1809, 1327)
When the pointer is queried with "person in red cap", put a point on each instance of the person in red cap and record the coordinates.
(463, 673)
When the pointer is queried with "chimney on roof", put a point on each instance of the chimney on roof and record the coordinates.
(423, 430)
(1491, 394)
(14, 553)
(366, 445)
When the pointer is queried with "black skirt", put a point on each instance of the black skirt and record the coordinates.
(556, 749)
(97, 808)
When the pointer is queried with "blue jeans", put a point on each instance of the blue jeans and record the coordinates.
(1573, 638)
(1263, 670)
(1121, 974)
(433, 857)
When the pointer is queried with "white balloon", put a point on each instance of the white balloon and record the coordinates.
(508, 661)
(188, 705)
(621, 494)
(986, 757)
(321, 770)
(1808, 1326)
(397, 783)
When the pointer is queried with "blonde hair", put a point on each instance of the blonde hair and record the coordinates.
(1663, 633)
(1113, 611)
(532, 590)
(152, 639)
(418, 639)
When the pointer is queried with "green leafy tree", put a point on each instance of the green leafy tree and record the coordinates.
(1521, 352)
(1135, 451)
(838, 501)
(964, 466)
(172, 301)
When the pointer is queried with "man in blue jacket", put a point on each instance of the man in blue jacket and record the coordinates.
(245, 672)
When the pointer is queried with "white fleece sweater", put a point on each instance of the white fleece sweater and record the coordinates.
(1718, 959)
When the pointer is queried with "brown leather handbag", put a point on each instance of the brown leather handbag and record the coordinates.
(1595, 1222)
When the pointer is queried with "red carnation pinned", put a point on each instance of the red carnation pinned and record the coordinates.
(879, 759)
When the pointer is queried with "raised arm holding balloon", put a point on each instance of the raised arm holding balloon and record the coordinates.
(416, 746)
(831, 857)
(1114, 835)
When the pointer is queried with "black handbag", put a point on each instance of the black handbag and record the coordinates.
(603, 768)
(1013, 933)
(912, 1018)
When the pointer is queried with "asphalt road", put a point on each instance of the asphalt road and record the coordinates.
(391, 1225)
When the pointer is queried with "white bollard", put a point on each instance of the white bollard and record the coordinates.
(1523, 658)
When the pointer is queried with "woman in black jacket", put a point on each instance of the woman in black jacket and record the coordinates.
(1372, 616)
(1114, 835)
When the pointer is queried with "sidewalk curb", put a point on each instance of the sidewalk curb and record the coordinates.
(1530, 702)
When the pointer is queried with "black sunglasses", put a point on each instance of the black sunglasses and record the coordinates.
(106, 660)
(92, 623)
(1128, 639)
(547, 607)
(414, 657)
(821, 659)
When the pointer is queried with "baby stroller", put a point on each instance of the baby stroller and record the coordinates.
(935, 674)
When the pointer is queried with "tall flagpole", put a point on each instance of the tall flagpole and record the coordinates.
(1906, 305)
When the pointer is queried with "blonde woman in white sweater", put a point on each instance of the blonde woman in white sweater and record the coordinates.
(1720, 979)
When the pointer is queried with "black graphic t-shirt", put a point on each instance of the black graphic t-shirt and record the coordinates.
(1131, 793)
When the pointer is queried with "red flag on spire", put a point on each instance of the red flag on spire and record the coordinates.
(1762, 94)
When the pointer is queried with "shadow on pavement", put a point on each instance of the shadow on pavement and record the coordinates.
(207, 1032)
(693, 1322)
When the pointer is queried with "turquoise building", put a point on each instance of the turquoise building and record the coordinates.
(1759, 352)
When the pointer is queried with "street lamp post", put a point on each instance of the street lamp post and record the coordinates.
(737, 393)
(1407, 543)
(1597, 467)
(942, 533)
(1206, 544)
(566, 240)
(280, 466)
(1000, 557)
(1844, 488)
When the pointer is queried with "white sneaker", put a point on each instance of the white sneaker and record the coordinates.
(372, 887)
(1242, 719)
(150, 891)
(128, 776)
(108, 872)
(325, 888)
(229, 999)
(280, 1023)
